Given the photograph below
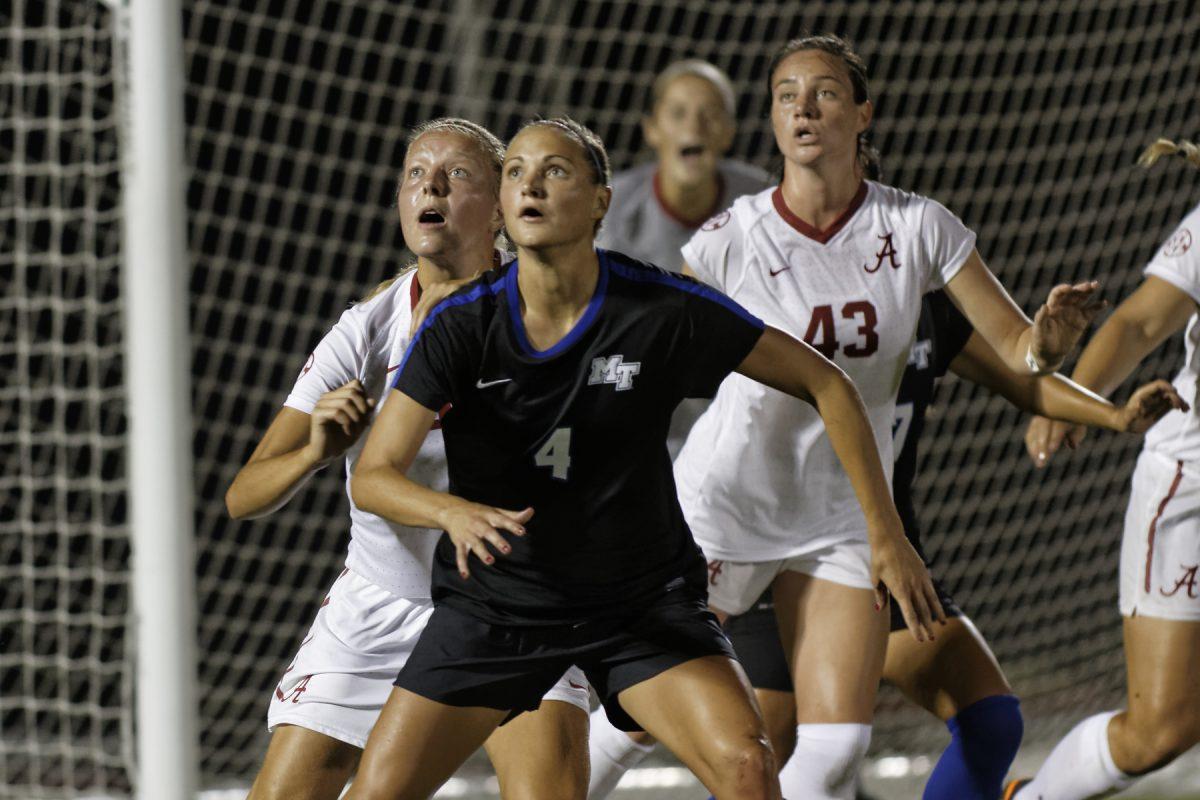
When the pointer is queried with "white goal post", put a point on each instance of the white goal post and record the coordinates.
(158, 366)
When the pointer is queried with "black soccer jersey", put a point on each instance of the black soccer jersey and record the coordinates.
(942, 332)
(577, 432)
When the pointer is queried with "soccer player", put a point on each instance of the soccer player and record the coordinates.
(955, 677)
(1160, 548)
(329, 698)
(657, 206)
(842, 262)
(564, 540)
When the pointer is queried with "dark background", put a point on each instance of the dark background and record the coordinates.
(1023, 118)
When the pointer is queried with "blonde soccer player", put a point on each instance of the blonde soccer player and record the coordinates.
(842, 262)
(1160, 547)
(564, 539)
(328, 699)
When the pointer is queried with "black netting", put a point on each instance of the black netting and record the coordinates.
(1023, 118)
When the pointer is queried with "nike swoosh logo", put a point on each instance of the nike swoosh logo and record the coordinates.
(775, 272)
(484, 385)
(575, 685)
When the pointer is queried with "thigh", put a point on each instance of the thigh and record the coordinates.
(543, 753)
(1164, 684)
(1160, 545)
(836, 642)
(304, 765)
(417, 744)
(700, 709)
(944, 676)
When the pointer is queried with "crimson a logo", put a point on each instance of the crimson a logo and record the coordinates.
(716, 222)
(1179, 243)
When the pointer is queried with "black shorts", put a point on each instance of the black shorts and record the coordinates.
(461, 660)
(755, 638)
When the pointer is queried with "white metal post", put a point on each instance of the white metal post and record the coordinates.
(157, 372)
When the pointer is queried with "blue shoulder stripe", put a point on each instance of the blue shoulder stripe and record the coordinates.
(686, 284)
(472, 296)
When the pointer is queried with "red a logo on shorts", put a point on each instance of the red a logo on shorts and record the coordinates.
(888, 251)
(1188, 580)
(714, 569)
(295, 693)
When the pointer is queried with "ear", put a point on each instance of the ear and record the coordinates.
(866, 112)
(650, 131)
(725, 136)
(603, 198)
(497, 221)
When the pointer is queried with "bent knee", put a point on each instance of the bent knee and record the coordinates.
(744, 766)
(1162, 743)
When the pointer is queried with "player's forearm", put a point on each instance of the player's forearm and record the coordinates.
(1060, 398)
(387, 492)
(1113, 354)
(264, 486)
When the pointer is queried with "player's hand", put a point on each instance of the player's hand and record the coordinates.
(1045, 436)
(433, 295)
(896, 568)
(1059, 323)
(1148, 405)
(337, 421)
(474, 526)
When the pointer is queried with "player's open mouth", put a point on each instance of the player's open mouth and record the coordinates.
(804, 135)
(692, 151)
(530, 214)
(430, 218)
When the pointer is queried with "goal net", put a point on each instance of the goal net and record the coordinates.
(1023, 118)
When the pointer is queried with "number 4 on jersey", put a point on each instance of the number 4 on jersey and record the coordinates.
(556, 454)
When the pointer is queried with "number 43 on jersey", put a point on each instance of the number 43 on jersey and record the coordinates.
(822, 330)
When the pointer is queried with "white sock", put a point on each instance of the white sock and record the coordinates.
(824, 765)
(1080, 766)
(612, 754)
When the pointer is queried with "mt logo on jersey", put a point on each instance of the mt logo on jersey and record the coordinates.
(614, 370)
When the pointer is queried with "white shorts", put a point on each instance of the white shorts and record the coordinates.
(345, 667)
(1160, 549)
(734, 586)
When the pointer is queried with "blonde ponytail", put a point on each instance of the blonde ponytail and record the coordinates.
(1188, 151)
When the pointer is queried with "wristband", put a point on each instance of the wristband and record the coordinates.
(1034, 366)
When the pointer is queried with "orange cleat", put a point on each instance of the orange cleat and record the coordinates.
(1010, 791)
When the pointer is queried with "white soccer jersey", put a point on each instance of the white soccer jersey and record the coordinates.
(639, 224)
(758, 479)
(368, 343)
(1177, 435)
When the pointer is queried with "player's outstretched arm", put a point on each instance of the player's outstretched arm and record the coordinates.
(1062, 399)
(1146, 319)
(791, 366)
(1046, 341)
(296, 445)
(380, 486)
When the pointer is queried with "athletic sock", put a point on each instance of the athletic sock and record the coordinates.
(612, 754)
(984, 738)
(824, 765)
(1080, 767)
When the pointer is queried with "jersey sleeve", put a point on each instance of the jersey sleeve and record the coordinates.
(1178, 261)
(337, 359)
(715, 251)
(948, 243)
(951, 331)
(720, 334)
(424, 373)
